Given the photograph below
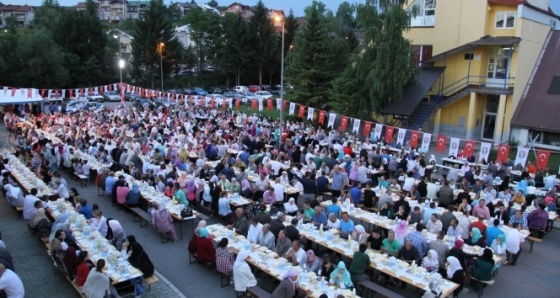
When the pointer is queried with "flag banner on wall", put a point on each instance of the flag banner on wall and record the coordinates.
(453, 146)
(401, 135)
(260, 104)
(367, 128)
(356, 126)
(332, 118)
(440, 144)
(343, 123)
(254, 104)
(468, 148)
(322, 115)
(278, 103)
(542, 159)
(521, 157)
(503, 153)
(484, 151)
(284, 104)
(237, 103)
(414, 138)
(310, 113)
(301, 111)
(389, 133)
(378, 131)
(292, 108)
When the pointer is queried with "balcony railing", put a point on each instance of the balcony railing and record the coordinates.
(479, 82)
(423, 21)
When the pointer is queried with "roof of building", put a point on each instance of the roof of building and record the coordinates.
(16, 8)
(81, 5)
(524, 3)
(540, 106)
(484, 41)
(414, 91)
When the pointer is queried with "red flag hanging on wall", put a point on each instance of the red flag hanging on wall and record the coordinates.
(367, 128)
(389, 133)
(414, 135)
(43, 92)
(468, 148)
(284, 105)
(503, 153)
(542, 159)
(56, 94)
(29, 93)
(440, 144)
(343, 123)
(301, 111)
(237, 103)
(322, 115)
(269, 104)
(254, 104)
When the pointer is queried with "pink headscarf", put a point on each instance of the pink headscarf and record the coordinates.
(401, 229)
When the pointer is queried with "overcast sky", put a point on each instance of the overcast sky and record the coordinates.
(286, 5)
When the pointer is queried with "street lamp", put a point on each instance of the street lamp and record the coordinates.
(161, 44)
(279, 18)
(121, 65)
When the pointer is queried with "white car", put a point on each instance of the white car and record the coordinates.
(218, 98)
(74, 106)
(241, 88)
(112, 96)
(251, 95)
(97, 97)
(263, 94)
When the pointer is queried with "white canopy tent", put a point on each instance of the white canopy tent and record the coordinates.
(19, 96)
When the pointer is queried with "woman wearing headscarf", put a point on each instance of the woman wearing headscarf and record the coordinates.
(455, 274)
(475, 237)
(164, 222)
(140, 260)
(61, 223)
(115, 233)
(287, 287)
(243, 278)
(43, 225)
(313, 262)
(290, 207)
(434, 291)
(341, 277)
(205, 250)
(191, 190)
(401, 230)
(192, 246)
(359, 234)
(483, 268)
(83, 268)
(499, 246)
(457, 251)
(97, 282)
(14, 195)
(431, 261)
(133, 196)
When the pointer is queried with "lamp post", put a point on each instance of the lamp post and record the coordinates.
(281, 19)
(161, 44)
(121, 61)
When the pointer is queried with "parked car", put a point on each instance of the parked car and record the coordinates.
(234, 94)
(263, 94)
(189, 91)
(218, 98)
(200, 91)
(111, 96)
(95, 106)
(74, 106)
(250, 95)
(254, 88)
(129, 96)
(265, 87)
(142, 102)
(215, 90)
(98, 98)
(240, 89)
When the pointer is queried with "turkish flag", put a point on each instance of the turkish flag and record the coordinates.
(110, 87)
(503, 153)
(269, 104)
(468, 148)
(101, 90)
(56, 93)
(237, 103)
(212, 102)
(389, 133)
(542, 159)
(70, 95)
(440, 144)
(43, 92)
(343, 123)
(322, 115)
(367, 128)
(301, 111)
(254, 104)
(29, 93)
(223, 103)
(284, 105)
(82, 93)
(414, 135)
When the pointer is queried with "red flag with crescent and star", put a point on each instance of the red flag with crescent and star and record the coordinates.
(237, 103)
(542, 159)
(414, 135)
(440, 144)
(254, 104)
(367, 128)
(322, 115)
(468, 148)
(212, 103)
(503, 153)
(343, 123)
(301, 111)
(284, 105)
(389, 133)
(269, 104)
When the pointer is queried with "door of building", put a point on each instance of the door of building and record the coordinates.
(499, 62)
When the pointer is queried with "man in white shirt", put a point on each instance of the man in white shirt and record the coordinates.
(454, 229)
(333, 222)
(296, 254)
(464, 223)
(431, 190)
(362, 173)
(255, 230)
(434, 225)
(10, 283)
(29, 203)
(278, 190)
(514, 238)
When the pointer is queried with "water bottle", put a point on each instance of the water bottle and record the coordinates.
(304, 267)
(319, 275)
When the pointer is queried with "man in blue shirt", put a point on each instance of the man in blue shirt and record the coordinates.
(356, 193)
(319, 217)
(322, 183)
(346, 224)
(338, 181)
(493, 232)
(334, 208)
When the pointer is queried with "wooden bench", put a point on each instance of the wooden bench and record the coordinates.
(19, 208)
(482, 284)
(76, 287)
(370, 286)
(208, 209)
(150, 281)
(532, 241)
(140, 214)
(83, 179)
(257, 291)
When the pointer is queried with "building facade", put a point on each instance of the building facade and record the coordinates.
(23, 14)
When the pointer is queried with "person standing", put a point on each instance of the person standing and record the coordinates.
(10, 283)
(514, 238)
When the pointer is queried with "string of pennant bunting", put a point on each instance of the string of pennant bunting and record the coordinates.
(414, 137)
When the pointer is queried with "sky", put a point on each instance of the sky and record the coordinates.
(297, 5)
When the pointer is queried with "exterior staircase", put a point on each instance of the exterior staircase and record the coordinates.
(423, 112)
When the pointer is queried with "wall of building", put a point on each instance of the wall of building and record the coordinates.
(491, 21)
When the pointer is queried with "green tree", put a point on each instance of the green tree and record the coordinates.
(206, 32)
(237, 49)
(291, 26)
(213, 3)
(10, 63)
(311, 68)
(153, 28)
(174, 11)
(265, 41)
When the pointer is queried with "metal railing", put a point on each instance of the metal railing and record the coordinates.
(477, 82)
(427, 111)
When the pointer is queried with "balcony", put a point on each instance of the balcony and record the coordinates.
(423, 21)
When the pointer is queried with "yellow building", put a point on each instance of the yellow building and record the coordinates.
(485, 51)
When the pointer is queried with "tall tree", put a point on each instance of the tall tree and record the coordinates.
(153, 29)
(291, 26)
(206, 33)
(310, 70)
(265, 44)
(237, 49)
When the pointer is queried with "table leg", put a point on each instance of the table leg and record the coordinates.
(181, 228)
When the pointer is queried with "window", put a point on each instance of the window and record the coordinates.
(505, 19)
(546, 138)
(426, 13)
(554, 87)
(421, 53)
(553, 23)
(430, 7)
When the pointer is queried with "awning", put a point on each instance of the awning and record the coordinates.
(485, 41)
(414, 91)
(17, 96)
